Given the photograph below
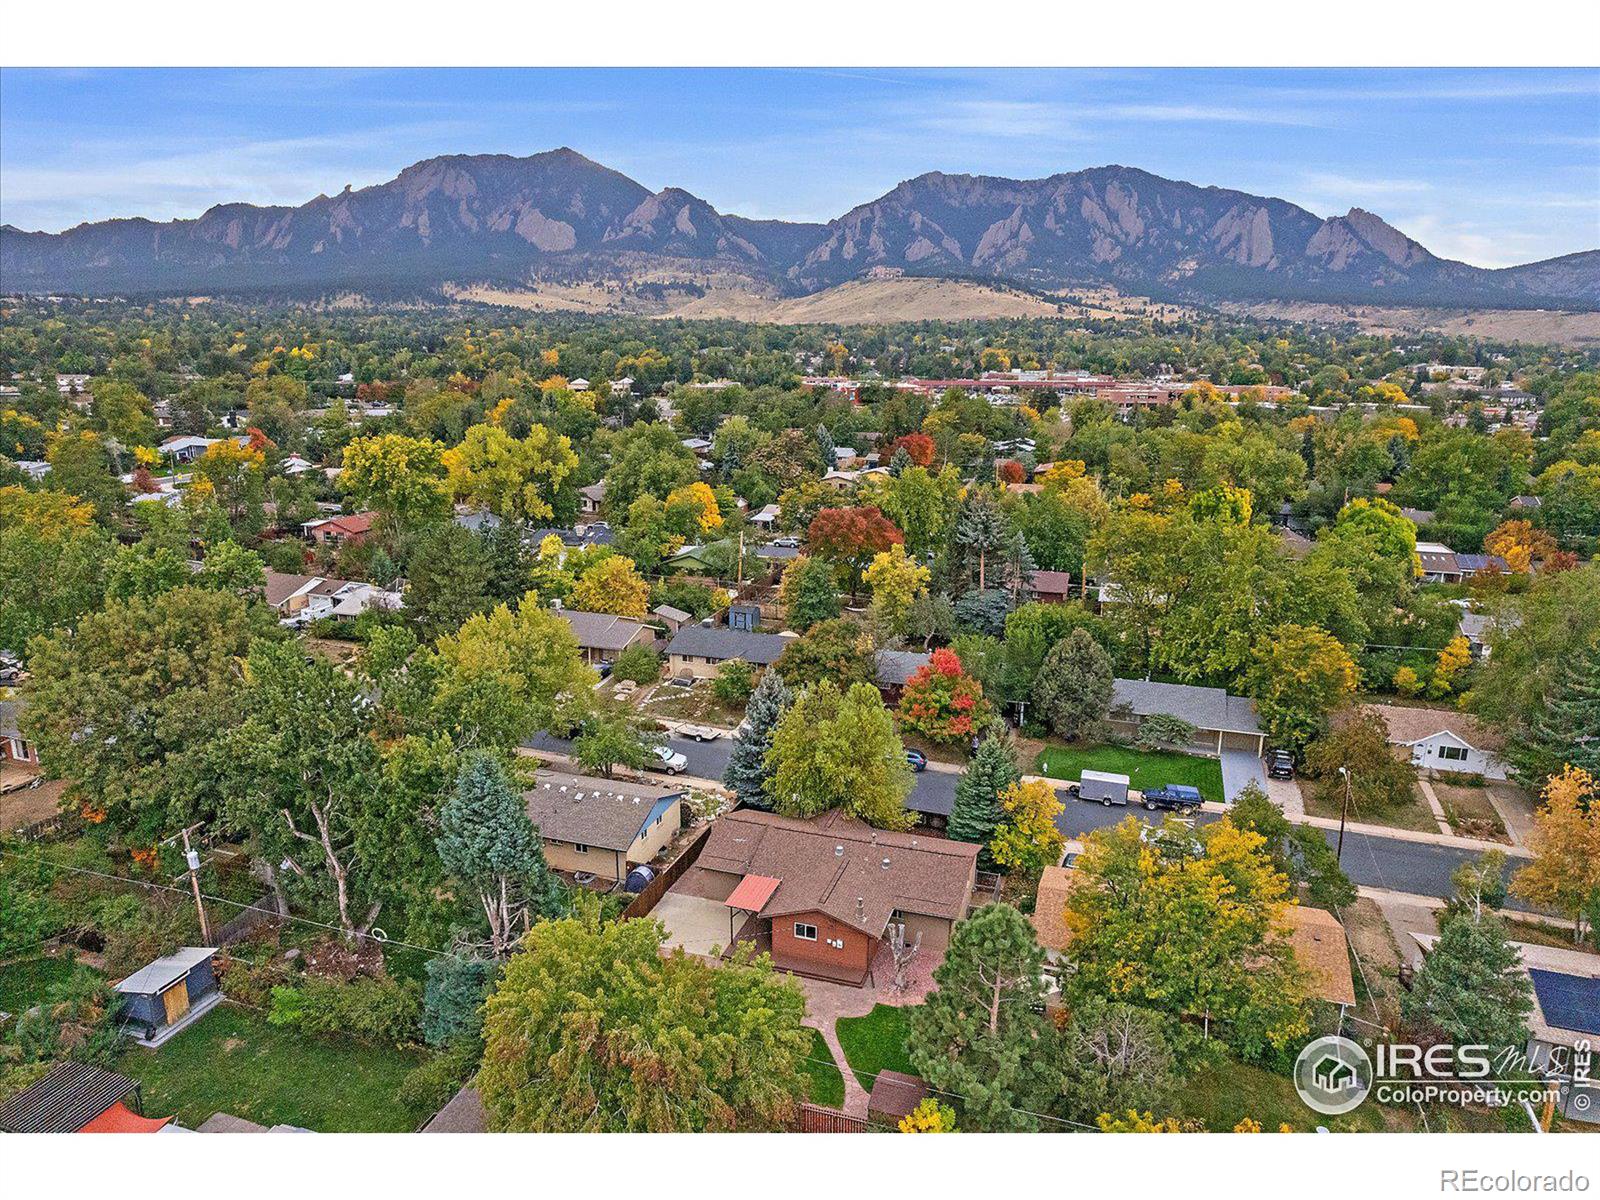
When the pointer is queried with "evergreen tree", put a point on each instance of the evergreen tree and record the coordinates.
(899, 461)
(1472, 987)
(746, 772)
(510, 564)
(1567, 732)
(447, 579)
(977, 810)
(983, 1035)
(487, 842)
(982, 533)
(1073, 690)
(825, 447)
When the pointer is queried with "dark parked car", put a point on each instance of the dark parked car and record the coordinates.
(605, 668)
(917, 759)
(1280, 765)
(1177, 796)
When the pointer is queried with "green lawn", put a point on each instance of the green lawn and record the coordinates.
(825, 1085)
(875, 1042)
(1223, 1095)
(232, 1061)
(1144, 768)
(23, 984)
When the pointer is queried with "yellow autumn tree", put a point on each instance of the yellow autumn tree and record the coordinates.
(896, 581)
(1027, 839)
(1407, 682)
(699, 499)
(1565, 872)
(1133, 1121)
(1520, 544)
(1451, 662)
(614, 586)
(929, 1116)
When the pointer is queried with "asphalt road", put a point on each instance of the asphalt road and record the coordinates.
(1420, 868)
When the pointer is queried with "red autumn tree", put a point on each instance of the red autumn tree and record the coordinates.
(851, 537)
(1011, 472)
(143, 482)
(942, 702)
(918, 447)
(259, 441)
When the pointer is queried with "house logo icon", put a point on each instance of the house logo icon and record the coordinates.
(1333, 1075)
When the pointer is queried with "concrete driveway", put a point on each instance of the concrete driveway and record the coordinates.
(699, 925)
(1240, 767)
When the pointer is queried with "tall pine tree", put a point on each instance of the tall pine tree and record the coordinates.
(746, 773)
(1567, 733)
(1472, 987)
(825, 447)
(977, 810)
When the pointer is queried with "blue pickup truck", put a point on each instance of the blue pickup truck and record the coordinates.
(1178, 797)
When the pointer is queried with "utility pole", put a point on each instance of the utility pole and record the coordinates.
(1344, 809)
(193, 860)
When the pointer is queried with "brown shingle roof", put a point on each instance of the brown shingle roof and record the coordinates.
(836, 866)
(605, 813)
(1318, 941)
(1408, 725)
(1050, 908)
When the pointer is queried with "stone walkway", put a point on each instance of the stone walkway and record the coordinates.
(1516, 808)
(1426, 789)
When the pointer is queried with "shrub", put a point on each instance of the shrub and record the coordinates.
(735, 680)
(248, 983)
(1163, 729)
(638, 663)
(427, 1087)
(367, 1009)
(452, 1000)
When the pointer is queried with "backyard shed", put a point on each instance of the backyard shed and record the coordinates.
(169, 994)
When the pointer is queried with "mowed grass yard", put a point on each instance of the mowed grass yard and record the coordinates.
(1144, 768)
(824, 1083)
(232, 1061)
(875, 1042)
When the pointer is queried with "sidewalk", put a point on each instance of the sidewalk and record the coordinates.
(1454, 841)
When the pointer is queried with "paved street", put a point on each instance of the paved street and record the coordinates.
(1370, 860)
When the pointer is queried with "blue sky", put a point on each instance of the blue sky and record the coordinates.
(1493, 167)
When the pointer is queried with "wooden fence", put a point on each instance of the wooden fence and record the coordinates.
(50, 829)
(646, 900)
(262, 910)
(813, 1118)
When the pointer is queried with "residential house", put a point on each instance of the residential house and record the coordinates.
(186, 447)
(1443, 739)
(592, 497)
(895, 669)
(1050, 910)
(767, 517)
(14, 748)
(699, 650)
(1051, 587)
(295, 465)
(300, 599)
(1418, 516)
(1438, 562)
(1319, 947)
(603, 636)
(602, 827)
(75, 1097)
(481, 521)
(579, 384)
(1221, 722)
(1477, 564)
(777, 554)
(169, 995)
(35, 469)
(336, 530)
(827, 893)
(700, 447)
(673, 618)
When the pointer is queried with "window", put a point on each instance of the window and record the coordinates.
(1453, 753)
(806, 933)
(580, 848)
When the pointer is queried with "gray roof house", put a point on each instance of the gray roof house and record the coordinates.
(604, 635)
(696, 646)
(895, 669)
(1221, 721)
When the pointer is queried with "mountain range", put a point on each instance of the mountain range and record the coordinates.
(504, 221)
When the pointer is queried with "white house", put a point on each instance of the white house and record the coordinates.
(1440, 739)
(300, 599)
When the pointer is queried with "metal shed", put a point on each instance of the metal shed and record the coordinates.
(169, 994)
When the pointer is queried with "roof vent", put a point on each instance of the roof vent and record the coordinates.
(886, 864)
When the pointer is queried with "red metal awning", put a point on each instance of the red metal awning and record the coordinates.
(119, 1118)
(753, 893)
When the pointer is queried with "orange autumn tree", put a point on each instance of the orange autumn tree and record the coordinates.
(1520, 544)
(942, 702)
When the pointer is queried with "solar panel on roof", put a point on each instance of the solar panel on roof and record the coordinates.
(1568, 1001)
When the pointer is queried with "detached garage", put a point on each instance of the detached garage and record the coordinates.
(170, 994)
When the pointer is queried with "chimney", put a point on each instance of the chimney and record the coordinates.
(861, 908)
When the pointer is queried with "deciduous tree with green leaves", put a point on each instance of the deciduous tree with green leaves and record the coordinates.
(839, 750)
(592, 1029)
